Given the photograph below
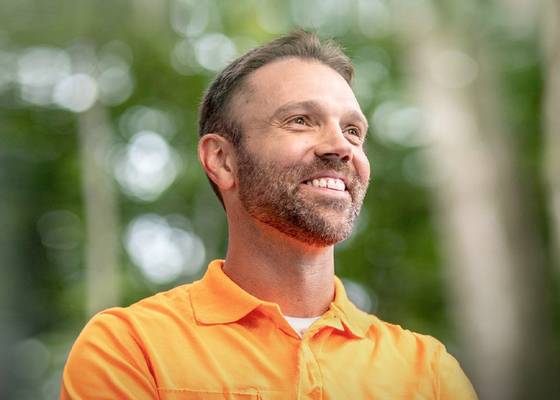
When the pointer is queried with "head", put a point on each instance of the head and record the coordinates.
(216, 114)
(269, 188)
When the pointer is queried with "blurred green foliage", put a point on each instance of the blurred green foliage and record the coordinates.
(394, 253)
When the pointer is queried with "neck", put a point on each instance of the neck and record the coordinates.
(277, 268)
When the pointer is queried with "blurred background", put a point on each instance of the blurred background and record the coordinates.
(102, 200)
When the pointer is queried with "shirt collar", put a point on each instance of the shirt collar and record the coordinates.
(355, 321)
(216, 299)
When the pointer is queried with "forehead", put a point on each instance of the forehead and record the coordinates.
(293, 79)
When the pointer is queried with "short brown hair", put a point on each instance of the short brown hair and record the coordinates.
(215, 115)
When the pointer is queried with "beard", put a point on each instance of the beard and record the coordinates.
(273, 195)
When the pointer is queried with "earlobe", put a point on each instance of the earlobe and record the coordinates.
(214, 153)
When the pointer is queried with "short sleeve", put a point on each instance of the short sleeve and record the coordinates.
(453, 383)
(107, 362)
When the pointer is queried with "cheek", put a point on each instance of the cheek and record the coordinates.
(361, 163)
(283, 150)
(293, 151)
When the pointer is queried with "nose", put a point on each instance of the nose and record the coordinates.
(334, 145)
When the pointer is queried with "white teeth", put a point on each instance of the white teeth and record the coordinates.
(335, 184)
(331, 183)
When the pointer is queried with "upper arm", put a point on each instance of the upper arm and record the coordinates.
(453, 383)
(107, 362)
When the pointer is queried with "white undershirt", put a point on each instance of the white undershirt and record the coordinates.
(299, 324)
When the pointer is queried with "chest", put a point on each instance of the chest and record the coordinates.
(230, 362)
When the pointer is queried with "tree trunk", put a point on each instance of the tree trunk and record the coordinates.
(551, 120)
(102, 237)
(494, 263)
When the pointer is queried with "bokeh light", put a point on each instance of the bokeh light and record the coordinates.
(189, 18)
(370, 76)
(396, 123)
(183, 59)
(77, 92)
(39, 70)
(147, 166)
(142, 118)
(161, 251)
(73, 79)
(214, 50)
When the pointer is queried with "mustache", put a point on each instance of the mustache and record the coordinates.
(303, 171)
(321, 164)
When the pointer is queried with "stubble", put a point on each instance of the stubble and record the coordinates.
(273, 195)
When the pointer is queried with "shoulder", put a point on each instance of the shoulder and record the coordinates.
(420, 352)
(114, 352)
(129, 333)
(410, 347)
(394, 335)
(165, 310)
(161, 305)
(405, 339)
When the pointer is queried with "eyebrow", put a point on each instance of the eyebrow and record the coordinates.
(314, 106)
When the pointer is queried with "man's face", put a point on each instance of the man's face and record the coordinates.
(301, 164)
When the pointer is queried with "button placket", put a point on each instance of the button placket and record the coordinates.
(310, 380)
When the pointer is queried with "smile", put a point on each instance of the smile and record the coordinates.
(328, 183)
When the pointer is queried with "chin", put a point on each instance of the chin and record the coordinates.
(316, 235)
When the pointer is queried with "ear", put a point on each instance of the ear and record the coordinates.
(216, 156)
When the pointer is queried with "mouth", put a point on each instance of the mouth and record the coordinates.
(329, 183)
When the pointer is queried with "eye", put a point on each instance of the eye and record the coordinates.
(354, 131)
(299, 120)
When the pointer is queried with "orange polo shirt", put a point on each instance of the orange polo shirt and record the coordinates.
(212, 340)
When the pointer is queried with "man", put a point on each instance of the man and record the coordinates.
(281, 141)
